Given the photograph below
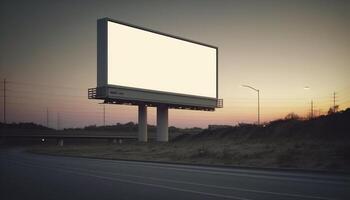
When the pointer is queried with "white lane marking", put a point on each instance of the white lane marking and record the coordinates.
(193, 169)
(300, 179)
(213, 186)
(230, 172)
(197, 184)
(236, 174)
(139, 183)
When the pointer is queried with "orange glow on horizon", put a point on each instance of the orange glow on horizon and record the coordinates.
(293, 52)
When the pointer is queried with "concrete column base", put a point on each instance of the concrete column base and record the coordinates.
(142, 134)
(60, 142)
(162, 124)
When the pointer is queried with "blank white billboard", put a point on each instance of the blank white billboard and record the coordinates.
(143, 59)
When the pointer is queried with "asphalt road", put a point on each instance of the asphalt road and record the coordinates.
(29, 176)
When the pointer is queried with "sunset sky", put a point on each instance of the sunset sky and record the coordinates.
(48, 56)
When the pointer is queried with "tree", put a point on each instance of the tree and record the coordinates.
(292, 116)
(333, 110)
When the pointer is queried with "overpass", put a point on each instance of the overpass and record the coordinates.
(61, 137)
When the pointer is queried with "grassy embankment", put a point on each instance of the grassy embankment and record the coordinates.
(322, 143)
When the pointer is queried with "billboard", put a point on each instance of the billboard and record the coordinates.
(142, 65)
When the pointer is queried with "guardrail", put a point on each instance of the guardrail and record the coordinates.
(60, 138)
(70, 136)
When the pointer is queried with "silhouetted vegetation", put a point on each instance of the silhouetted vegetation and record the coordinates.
(317, 143)
(133, 127)
(127, 128)
(292, 142)
(26, 126)
(334, 126)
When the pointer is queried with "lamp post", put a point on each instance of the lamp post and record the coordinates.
(256, 90)
(312, 104)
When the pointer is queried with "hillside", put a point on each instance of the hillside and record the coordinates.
(329, 127)
(322, 143)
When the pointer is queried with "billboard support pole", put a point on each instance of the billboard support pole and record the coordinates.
(142, 137)
(162, 123)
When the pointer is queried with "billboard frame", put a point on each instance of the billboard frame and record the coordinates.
(103, 87)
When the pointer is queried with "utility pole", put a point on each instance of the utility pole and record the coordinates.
(258, 107)
(47, 117)
(104, 115)
(312, 109)
(58, 121)
(334, 102)
(5, 101)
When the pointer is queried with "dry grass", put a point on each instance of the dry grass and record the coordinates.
(306, 154)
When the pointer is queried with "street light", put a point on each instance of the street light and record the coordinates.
(256, 90)
(312, 104)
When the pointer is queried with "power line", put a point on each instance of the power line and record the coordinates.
(44, 93)
(43, 85)
(40, 107)
(22, 97)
